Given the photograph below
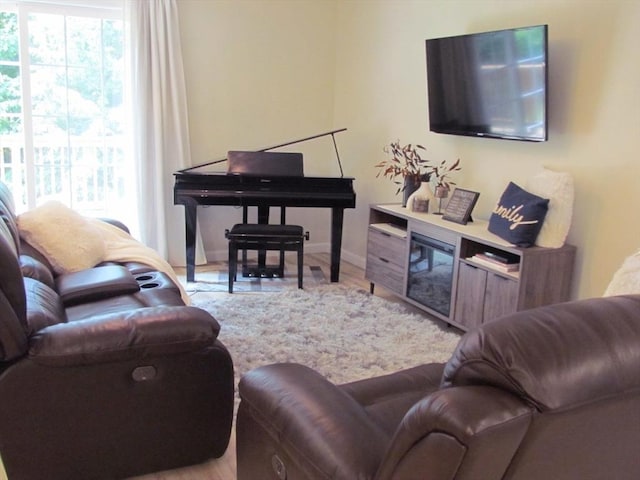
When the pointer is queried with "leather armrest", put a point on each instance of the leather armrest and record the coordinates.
(313, 419)
(95, 284)
(452, 424)
(140, 333)
(421, 379)
(115, 223)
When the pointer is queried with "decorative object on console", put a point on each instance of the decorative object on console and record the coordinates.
(499, 262)
(409, 187)
(558, 188)
(443, 185)
(442, 173)
(440, 193)
(460, 206)
(404, 162)
(518, 216)
(421, 199)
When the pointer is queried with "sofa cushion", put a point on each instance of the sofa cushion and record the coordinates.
(65, 237)
(44, 307)
(34, 268)
(13, 324)
(518, 216)
(7, 212)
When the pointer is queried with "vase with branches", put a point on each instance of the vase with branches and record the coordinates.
(405, 167)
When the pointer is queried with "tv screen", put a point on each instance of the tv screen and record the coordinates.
(491, 84)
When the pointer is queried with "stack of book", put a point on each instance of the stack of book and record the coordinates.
(502, 263)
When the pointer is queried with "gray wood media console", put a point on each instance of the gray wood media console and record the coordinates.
(462, 274)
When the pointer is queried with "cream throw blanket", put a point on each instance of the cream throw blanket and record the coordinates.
(122, 247)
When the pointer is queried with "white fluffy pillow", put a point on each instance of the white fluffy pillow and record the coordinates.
(627, 279)
(66, 238)
(558, 188)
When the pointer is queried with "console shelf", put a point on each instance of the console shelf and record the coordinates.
(479, 291)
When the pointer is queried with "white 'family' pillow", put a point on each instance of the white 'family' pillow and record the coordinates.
(66, 238)
(558, 188)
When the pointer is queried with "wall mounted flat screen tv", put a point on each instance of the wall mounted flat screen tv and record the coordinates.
(491, 84)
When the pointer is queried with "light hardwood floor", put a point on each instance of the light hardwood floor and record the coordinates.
(224, 468)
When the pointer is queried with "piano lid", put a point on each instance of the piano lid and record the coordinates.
(332, 133)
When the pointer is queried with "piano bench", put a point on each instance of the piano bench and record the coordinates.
(261, 237)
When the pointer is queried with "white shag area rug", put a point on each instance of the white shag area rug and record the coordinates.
(345, 334)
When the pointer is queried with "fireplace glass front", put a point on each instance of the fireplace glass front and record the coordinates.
(430, 277)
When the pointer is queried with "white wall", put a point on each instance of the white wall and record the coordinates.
(263, 71)
(259, 73)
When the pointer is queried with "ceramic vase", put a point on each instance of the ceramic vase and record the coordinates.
(422, 199)
(411, 184)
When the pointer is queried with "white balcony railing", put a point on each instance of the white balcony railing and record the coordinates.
(86, 173)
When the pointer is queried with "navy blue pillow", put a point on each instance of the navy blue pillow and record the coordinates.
(518, 216)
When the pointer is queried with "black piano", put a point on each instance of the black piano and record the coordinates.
(193, 188)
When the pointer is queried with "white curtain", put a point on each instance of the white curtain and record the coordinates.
(160, 124)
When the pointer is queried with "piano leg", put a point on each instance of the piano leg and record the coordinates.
(191, 224)
(263, 217)
(337, 215)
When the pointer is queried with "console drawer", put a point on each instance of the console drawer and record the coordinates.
(385, 273)
(386, 246)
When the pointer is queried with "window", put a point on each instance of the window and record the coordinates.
(62, 106)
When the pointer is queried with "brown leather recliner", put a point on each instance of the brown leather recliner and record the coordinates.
(551, 393)
(101, 378)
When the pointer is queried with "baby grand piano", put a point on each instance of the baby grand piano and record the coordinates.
(193, 187)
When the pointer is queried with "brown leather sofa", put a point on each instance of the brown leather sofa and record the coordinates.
(545, 394)
(104, 373)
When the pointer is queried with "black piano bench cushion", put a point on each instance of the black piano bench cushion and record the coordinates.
(260, 236)
(256, 229)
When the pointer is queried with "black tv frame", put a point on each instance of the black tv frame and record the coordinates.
(438, 89)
